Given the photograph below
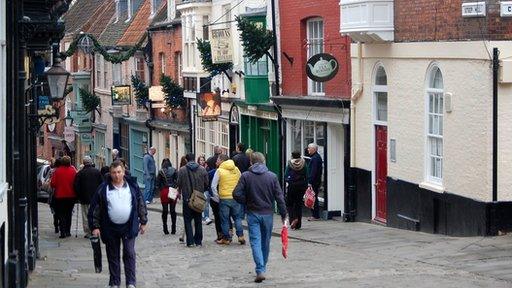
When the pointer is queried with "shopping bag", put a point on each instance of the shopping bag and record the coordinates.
(173, 193)
(309, 198)
(284, 241)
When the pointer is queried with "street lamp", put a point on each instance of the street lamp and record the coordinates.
(68, 120)
(57, 80)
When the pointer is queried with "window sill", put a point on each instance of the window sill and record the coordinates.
(432, 186)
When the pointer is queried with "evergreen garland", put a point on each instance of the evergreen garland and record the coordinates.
(173, 92)
(141, 91)
(90, 101)
(256, 40)
(113, 58)
(205, 49)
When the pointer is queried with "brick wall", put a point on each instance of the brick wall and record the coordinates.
(440, 20)
(293, 17)
(167, 42)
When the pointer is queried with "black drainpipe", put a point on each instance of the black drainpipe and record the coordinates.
(495, 71)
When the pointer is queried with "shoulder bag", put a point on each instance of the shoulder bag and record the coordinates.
(197, 200)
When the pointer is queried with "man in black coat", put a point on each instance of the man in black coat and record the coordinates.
(86, 184)
(241, 160)
(212, 161)
(315, 168)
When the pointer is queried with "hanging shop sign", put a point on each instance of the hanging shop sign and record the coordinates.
(69, 134)
(121, 95)
(209, 105)
(322, 67)
(222, 48)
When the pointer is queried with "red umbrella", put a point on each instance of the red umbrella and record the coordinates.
(284, 240)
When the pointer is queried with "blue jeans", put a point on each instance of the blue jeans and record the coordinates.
(230, 208)
(260, 231)
(149, 187)
(195, 234)
(206, 212)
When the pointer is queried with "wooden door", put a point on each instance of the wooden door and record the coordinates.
(381, 172)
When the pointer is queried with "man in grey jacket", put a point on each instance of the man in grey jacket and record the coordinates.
(192, 177)
(149, 175)
(258, 188)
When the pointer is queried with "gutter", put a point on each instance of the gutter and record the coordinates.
(495, 74)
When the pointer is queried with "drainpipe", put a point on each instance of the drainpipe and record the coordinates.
(495, 71)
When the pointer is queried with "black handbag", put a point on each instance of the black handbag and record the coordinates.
(197, 200)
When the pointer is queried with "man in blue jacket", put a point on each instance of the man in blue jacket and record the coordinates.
(149, 175)
(117, 214)
(258, 188)
(315, 168)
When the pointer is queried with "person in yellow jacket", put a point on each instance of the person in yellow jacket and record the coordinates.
(223, 183)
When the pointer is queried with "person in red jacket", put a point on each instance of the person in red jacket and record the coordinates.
(64, 195)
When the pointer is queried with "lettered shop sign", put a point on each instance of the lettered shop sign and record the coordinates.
(473, 9)
(506, 9)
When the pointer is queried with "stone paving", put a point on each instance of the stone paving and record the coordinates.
(322, 254)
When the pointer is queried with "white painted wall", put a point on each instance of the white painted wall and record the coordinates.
(467, 130)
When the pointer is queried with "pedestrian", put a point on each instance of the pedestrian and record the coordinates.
(183, 162)
(62, 181)
(212, 161)
(115, 155)
(149, 167)
(223, 184)
(315, 177)
(86, 184)
(47, 186)
(167, 178)
(105, 172)
(241, 159)
(117, 214)
(214, 203)
(206, 213)
(192, 177)
(296, 176)
(258, 189)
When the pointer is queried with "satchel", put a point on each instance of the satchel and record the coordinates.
(173, 194)
(309, 198)
(197, 200)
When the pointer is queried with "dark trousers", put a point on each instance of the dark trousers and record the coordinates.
(316, 209)
(64, 211)
(294, 203)
(166, 208)
(216, 215)
(112, 245)
(193, 236)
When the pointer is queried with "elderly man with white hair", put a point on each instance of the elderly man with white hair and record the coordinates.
(86, 183)
(149, 166)
(315, 177)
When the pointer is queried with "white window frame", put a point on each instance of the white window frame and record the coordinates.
(434, 177)
(379, 89)
(161, 55)
(117, 78)
(315, 88)
(210, 134)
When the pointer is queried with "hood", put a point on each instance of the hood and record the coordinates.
(258, 168)
(228, 165)
(297, 164)
(192, 166)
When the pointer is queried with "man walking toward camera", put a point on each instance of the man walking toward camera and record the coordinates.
(258, 188)
(149, 175)
(117, 214)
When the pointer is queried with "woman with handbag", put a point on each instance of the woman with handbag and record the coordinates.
(166, 183)
(296, 178)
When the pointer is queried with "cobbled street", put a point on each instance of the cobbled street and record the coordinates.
(323, 254)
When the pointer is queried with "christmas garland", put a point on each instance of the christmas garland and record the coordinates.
(205, 49)
(256, 40)
(141, 91)
(173, 92)
(113, 58)
(90, 101)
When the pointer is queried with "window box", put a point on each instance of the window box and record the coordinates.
(367, 20)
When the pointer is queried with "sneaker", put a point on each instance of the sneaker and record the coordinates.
(181, 239)
(208, 221)
(223, 241)
(130, 286)
(191, 246)
(114, 286)
(241, 240)
(294, 224)
(147, 202)
(259, 278)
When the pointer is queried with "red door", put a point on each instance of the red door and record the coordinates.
(381, 171)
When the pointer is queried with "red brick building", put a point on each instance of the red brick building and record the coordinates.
(316, 112)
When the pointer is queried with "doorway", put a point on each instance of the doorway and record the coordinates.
(381, 172)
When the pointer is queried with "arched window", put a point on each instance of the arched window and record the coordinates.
(380, 92)
(435, 103)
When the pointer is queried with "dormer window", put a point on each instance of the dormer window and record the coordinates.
(121, 9)
(154, 7)
(171, 9)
